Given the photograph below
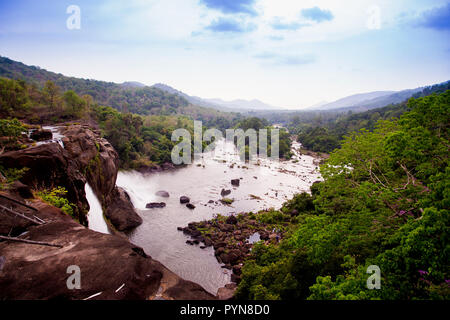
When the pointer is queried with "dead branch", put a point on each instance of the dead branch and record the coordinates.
(18, 202)
(20, 215)
(31, 241)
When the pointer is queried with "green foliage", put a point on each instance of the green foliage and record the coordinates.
(74, 103)
(384, 202)
(13, 96)
(10, 134)
(57, 197)
(227, 201)
(10, 175)
(140, 141)
(257, 124)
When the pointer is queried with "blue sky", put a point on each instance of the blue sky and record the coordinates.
(286, 53)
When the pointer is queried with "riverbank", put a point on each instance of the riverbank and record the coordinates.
(263, 184)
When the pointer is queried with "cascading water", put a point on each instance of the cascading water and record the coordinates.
(264, 185)
(95, 216)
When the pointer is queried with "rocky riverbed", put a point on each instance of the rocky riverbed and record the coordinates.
(207, 183)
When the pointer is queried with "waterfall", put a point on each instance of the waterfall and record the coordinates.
(95, 216)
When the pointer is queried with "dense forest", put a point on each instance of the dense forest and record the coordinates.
(141, 140)
(122, 97)
(384, 201)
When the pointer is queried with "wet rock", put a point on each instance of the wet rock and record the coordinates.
(224, 192)
(235, 278)
(227, 292)
(235, 182)
(41, 135)
(120, 263)
(121, 212)
(234, 255)
(219, 251)
(211, 201)
(163, 194)
(237, 270)
(190, 206)
(50, 165)
(179, 228)
(167, 166)
(224, 257)
(264, 235)
(184, 199)
(231, 220)
(195, 233)
(152, 205)
(226, 227)
(208, 242)
(219, 245)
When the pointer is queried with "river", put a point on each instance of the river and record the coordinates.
(272, 181)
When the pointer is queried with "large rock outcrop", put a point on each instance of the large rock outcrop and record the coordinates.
(99, 162)
(120, 210)
(86, 157)
(109, 265)
(49, 166)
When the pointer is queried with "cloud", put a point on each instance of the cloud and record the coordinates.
(284, 59)
(232, 6)
(316, 14)
(228, 25)
(276, 38)
(436, 18)
(279, 24)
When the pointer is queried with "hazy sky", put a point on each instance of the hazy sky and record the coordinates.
(287, 53)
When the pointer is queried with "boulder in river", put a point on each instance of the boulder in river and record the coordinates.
(41, 135)
(152, 205)
(163, 194)
(184, 199)
(224, 192)
(190, 206)
(235, 182)
(121, 212)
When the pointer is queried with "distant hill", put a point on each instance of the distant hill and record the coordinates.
(192, 99)
(234, 105)
(240, 104)
(129, 96)
(132, 84)
(367, 101)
